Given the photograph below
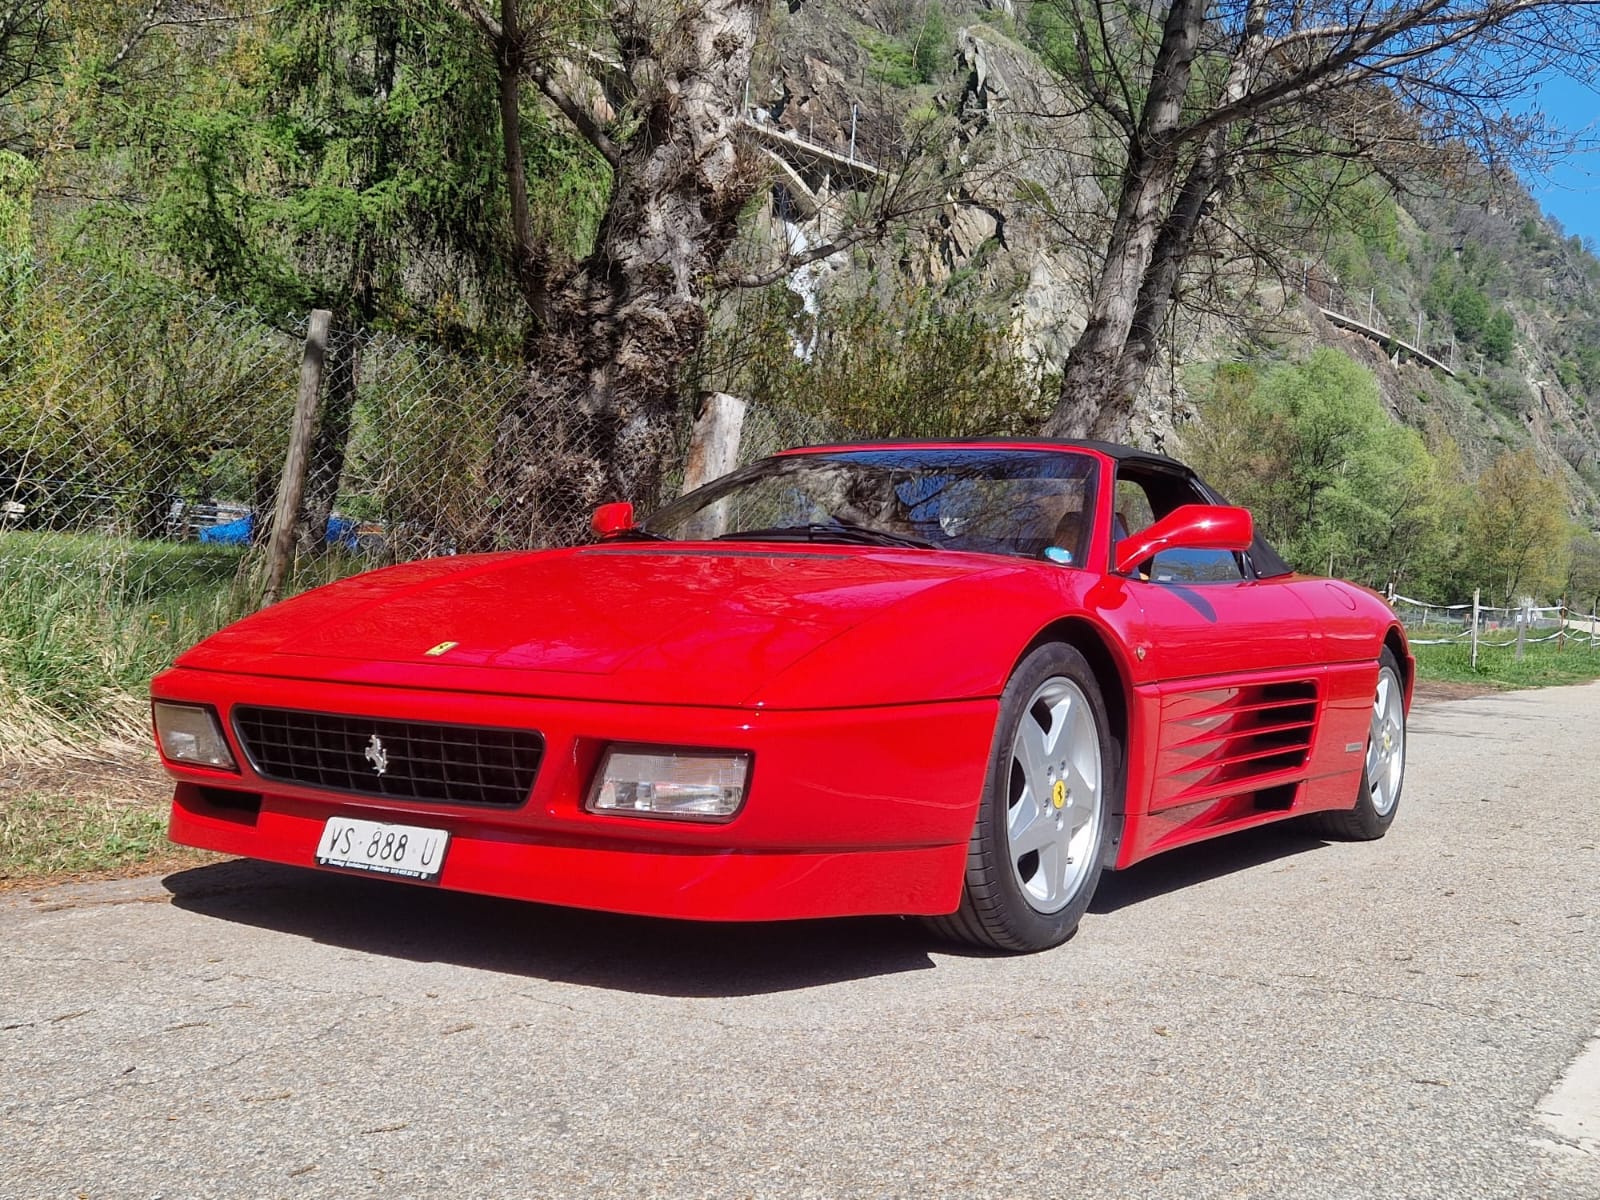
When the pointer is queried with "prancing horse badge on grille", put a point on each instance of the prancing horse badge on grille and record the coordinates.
(376, 755)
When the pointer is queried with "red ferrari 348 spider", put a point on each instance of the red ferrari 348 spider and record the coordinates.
(956, 680)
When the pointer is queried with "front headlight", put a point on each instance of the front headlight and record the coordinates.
(189, 733)
(695, 785)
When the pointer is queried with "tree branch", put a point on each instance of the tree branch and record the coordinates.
(532, 269)
(134, 37)
(1121, 113)
(793, 262)
(582, 120)
(1344, 67)
(219, 19)
(475, 12)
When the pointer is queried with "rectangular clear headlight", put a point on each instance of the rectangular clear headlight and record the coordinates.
(648, 781)
(189, 733)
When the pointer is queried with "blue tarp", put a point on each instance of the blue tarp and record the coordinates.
(341, 532)
(232, 533)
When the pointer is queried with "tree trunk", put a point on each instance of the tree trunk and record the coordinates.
(1150, 238)
(596, 421)
(1082, 408)
(325, 467)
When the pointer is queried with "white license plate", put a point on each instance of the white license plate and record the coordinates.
(407, 850)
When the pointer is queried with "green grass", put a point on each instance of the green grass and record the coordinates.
(1541, 666)
(86, 620)
(138, 571)
(47, 833)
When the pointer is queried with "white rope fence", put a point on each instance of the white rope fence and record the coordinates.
(1485, 625)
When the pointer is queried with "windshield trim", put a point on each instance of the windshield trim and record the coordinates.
(1080, 468)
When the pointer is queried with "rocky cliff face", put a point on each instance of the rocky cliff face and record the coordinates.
(1017, 212)
(984, 119)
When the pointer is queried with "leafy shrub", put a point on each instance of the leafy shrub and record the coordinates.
(915, 56)
(914, 365)
(1331, 480)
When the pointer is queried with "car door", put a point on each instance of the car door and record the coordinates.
(1207, 612)
(1234, 655)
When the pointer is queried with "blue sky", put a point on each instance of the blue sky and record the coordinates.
(1570, 190)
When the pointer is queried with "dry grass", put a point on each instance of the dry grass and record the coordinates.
(34, 735)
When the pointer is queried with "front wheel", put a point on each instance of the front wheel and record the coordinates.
(1044, 822)
(1378, 796)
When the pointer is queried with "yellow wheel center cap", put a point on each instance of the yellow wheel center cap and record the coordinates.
(1058, 793)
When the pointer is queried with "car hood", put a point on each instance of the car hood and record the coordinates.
(693, 624)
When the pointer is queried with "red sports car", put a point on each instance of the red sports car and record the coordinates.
(957, 680)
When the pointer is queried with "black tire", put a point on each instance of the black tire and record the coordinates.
(1374, 809)
(998, 910)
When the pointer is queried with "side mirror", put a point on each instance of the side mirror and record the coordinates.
(611, 519)
(1190, 527)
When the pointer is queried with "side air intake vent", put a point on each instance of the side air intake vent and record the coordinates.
(1238, 738)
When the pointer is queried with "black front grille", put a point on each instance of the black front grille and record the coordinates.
(420, 760)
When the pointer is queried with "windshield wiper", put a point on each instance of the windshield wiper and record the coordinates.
(837, 531)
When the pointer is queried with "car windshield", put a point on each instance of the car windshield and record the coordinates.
(995, 501)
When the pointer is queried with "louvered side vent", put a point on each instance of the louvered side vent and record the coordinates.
(401, 760)
(1237, 739)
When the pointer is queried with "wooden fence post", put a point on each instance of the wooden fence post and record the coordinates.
(280, 548)
(1475, 594)
(714, 444)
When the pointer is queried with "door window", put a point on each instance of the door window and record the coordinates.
(1143, 496)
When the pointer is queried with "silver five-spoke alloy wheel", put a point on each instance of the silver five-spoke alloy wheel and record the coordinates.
(1053, 805)
(1386, 742)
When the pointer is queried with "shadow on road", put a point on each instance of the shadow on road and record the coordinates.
(1178, 869)
(640, 954)
(603, 950)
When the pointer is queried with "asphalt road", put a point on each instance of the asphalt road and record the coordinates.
(1268, 1016)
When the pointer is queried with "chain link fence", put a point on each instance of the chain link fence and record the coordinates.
(131, 417)
(144, 429)
(143, 433)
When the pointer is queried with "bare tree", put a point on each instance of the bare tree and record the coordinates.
(1197, 98)
(30, 36)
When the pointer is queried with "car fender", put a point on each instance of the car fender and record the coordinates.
(1353, 621)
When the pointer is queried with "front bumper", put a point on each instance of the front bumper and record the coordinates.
(849, 812)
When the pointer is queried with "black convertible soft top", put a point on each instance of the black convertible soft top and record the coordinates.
(1114, 450)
